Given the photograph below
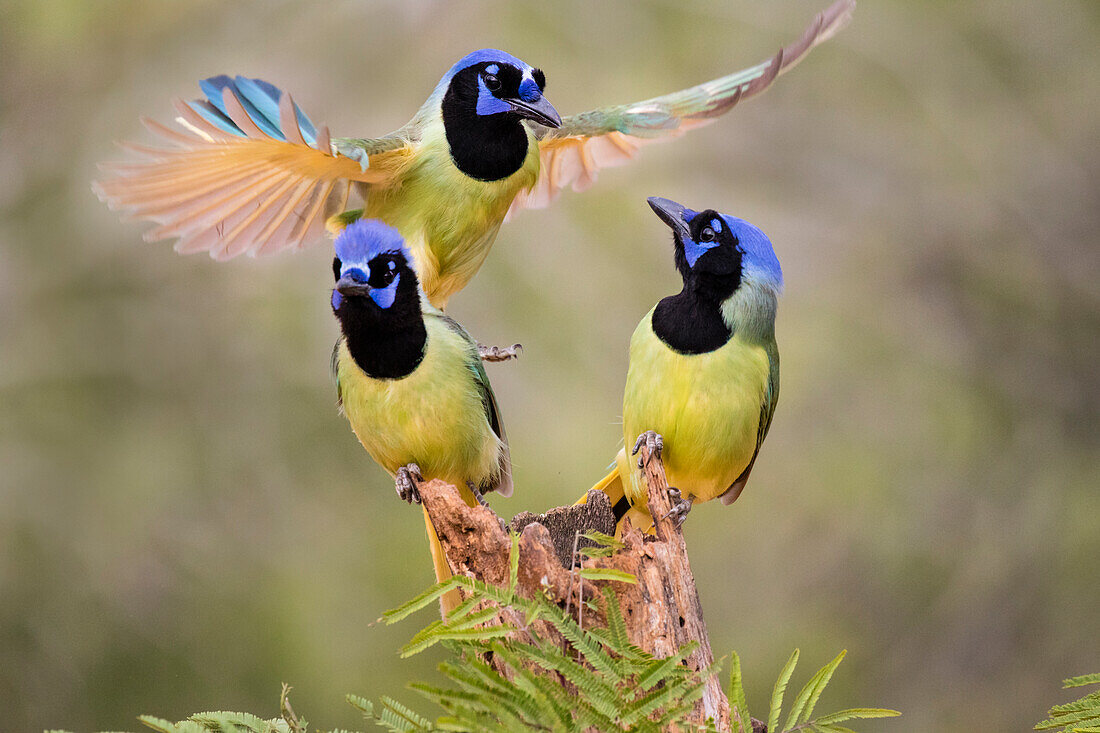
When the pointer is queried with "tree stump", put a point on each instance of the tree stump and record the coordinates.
(662, 611)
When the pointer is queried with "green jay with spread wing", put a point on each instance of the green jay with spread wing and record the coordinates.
(250, 173)
(703, 377)
(409, 378)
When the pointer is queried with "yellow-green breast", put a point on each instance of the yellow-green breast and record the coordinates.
(705, 406)
(435, 417)
(448, 219)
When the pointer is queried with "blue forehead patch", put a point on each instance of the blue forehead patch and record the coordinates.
(481, 56)
(365, 239)
(492, 69)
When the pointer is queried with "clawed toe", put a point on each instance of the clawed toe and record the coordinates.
(405, 483)
(496, 353)
(680, 506)
(653, 442)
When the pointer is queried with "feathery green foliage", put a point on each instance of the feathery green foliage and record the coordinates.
(800, 717)
(1079, 716)
(601, 680)
(598, 681)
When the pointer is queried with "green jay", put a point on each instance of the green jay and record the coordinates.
(409, 378)
(703, 376)
(249, 172)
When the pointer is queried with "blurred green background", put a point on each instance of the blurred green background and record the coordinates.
(186, 521)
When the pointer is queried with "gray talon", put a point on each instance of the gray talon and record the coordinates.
(405, 483)
(680, 506)
(651, 440)
(496, 353)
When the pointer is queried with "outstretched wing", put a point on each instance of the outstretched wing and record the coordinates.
(248, 173)
(602, 138)
(767, 410)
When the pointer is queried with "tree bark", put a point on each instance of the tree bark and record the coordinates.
(662, 610)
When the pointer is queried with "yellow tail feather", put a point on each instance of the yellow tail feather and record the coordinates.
(612, 485)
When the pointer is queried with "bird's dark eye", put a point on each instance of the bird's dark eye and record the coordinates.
(382, 272)
(336, 265)
(707, 235)
(492, 83)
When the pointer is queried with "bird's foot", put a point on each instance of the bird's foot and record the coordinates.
(481, 500)
(497, 353)
(680, 506)
(405, 483)
(651, 440)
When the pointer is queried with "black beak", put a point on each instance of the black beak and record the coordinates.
(541, 111)
(671, 213)
(348, 287)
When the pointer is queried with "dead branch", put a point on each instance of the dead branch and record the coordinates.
(662, 611)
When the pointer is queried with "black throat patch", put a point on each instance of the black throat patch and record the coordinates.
(689, 323)
(487, 148)
(385, 343)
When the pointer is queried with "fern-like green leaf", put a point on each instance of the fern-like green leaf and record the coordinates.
(779, 690)
(1081, 715)
(444, 633)
(1081, 681)
(603, 540)
(581, 640)
(413, 720)
(513, 566)
(801, 699)
(737, 693)
(661, 697)
(596, 551)
(229, 722)
(607, 574)
(824, 676)
(855, 714)
(616, 625)
(362, 704)
(662, 668)
(421, 600)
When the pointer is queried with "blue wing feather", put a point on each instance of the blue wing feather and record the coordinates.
(261, 105)
(260, 100)
(214, 116)
(213, 87)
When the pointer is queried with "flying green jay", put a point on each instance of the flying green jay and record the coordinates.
(703, 378)
(251, 173)
(409, 378)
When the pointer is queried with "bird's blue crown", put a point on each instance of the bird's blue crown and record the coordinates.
(482, 56)
(365, 239)
(758, 256)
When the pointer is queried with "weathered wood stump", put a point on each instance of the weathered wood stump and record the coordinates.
(662, 611)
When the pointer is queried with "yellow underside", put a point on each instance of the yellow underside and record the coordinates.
(706, 407)
(434, 418)
(449, 220)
